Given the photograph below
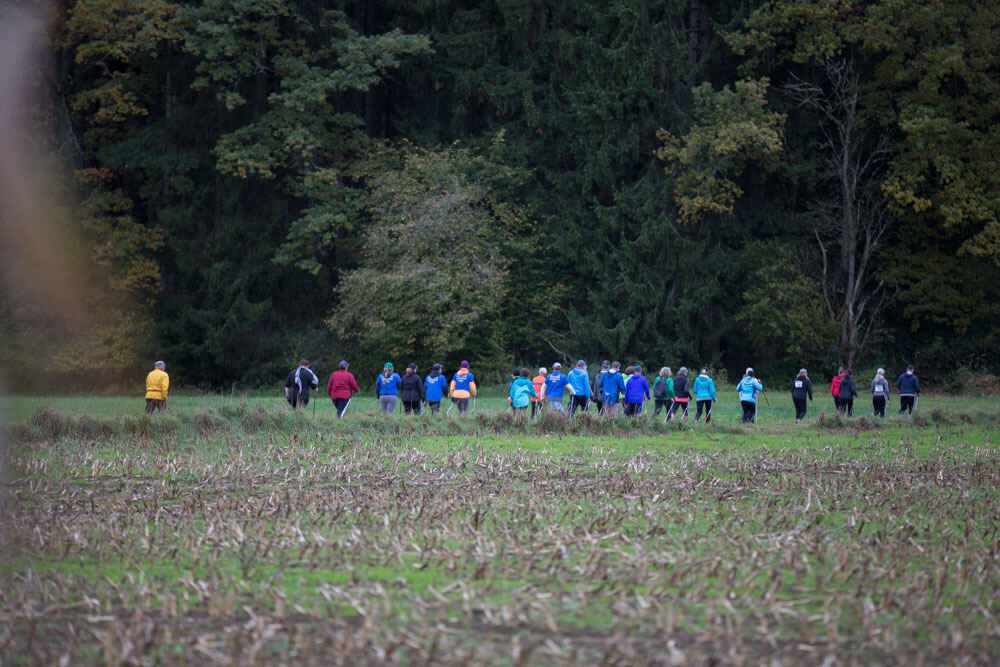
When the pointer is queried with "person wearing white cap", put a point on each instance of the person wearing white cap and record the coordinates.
(157, 384)
(554, 384)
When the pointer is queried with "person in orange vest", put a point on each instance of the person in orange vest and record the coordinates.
(157, 384)
(463, 386)
(539, 382)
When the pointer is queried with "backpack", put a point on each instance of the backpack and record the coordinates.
(660, 388)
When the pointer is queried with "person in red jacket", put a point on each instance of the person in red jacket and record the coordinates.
(341, 387)
(835, 388)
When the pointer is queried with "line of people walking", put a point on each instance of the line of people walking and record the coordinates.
(609, 388)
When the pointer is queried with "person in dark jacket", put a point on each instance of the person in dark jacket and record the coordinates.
(909, 389)
(435, 387)
(848, 390)
(801, 389)
(341, 387)
(411, 390)
(681, 394)
(298, 383)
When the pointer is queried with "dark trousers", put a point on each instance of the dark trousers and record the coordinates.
(749, 412)
(341, 405)
(297, 400)
(462, 403)
(878, 406)
(705, 404)
(906, 404)
(800, 408)
(846, 405)
(836, 404)
(660, 404)
(153, 404)
(633, 409)
(536, 406)
(411, 406)
(677, 406)
(578, 402)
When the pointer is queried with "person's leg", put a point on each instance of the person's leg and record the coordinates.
(150, 406)
(672, 410)
(910, 400)
(685, 405)
(747, 417)
(161, 405)
(463, 405)
(534, 407)
(434, 406)
(850, 407)
(583, 402)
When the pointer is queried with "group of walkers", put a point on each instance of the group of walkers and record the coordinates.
(609, 387)
(391, 388)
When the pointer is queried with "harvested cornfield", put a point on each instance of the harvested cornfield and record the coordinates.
(259, 536)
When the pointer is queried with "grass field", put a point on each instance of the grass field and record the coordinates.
(233, 530)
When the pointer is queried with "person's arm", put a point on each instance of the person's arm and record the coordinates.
(378, 386)
(645, 388)
(916, 383)
(165, 385)
(451, 388)
(472, 388)
(809, 389)
(315, 380)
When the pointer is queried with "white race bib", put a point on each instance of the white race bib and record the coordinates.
(798, 384)
(878, 389)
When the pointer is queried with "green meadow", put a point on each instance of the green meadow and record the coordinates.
(232, 529)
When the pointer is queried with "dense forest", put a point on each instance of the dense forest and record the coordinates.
(722, 182)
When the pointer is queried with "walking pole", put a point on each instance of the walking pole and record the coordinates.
(448, 411)
(345, 408)
(474, 398)
(314, 409)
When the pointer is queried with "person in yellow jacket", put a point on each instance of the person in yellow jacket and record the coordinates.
(463, 385)
(157, 384)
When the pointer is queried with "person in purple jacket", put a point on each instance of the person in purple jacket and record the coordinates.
(636, 391)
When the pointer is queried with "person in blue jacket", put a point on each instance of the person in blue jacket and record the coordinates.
(522, 391)
(747, 389)
(704, 390)
(554, 384)
(636, 391)
(387, 389)
(611, 386)
(579, 382)
(435, 388)
(909, 389)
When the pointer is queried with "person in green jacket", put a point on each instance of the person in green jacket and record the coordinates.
(663, 390)
(522, 391)
(704, 390)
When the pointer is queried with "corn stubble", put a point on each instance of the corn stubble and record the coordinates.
(270, 549)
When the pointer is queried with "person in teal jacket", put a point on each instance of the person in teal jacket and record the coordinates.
(747, 389)
(522, 391)
(704, 390)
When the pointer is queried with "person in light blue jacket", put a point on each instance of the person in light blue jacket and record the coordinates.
(704, 389)
(579, 382)
(612, 385)
(522, 391)
(747, 389)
